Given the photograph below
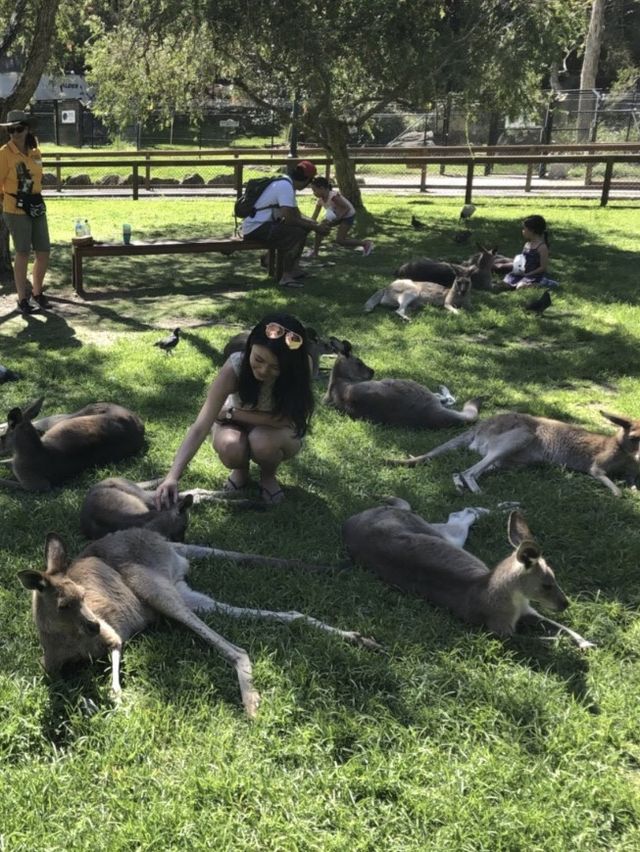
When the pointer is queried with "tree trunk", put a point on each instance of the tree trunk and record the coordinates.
(337, 136)
(37, 56)
(589, 72)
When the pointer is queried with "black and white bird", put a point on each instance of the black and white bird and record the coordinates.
(467, 212)
(7, 375)
(417, 225)
(539, 306)
(169, 343)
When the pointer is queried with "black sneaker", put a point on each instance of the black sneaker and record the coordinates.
(41, 300)
(25, 307)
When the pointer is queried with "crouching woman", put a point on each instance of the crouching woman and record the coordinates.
(257, 409)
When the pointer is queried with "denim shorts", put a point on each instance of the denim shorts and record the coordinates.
(28, 233)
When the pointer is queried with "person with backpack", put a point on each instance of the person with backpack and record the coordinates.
(273, 218)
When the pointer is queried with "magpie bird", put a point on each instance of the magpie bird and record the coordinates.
(417, 225)
(170, 342)
(7, 375)
(539, 306)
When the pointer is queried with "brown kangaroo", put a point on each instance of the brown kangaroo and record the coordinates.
(70, 446)
(443, 272)
(404, 293)
(119, 585)
(396, 402)
(43, 424)
(406, 551)
(512, 439)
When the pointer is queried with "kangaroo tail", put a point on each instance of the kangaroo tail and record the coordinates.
(462, 440)
(373, 301)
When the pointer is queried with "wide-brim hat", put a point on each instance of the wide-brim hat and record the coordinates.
(18, 116)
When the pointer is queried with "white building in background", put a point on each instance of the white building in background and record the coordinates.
(50, 87)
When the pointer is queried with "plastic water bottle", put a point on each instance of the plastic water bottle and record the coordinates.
(87, 229)
(79, 228)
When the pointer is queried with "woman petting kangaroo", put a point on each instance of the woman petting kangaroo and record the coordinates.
(257, 409)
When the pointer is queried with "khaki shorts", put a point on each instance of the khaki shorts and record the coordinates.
(28, 233)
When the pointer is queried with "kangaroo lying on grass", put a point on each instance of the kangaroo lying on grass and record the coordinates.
(396, 402)
(406, 551)
(119, 585)
(43, 424)
(404, 292)
(442, 272)
(70, 446)
(512, 439)
(118, 504)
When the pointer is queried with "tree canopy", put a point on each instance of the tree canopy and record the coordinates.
(344, 59)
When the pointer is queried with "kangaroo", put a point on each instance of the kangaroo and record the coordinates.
(118, 504)
(70, 446)
(441, 272)
(396, 402)
(512, 439)
(43, 424)
(317, 347)
(406, 551)
(119, 585)
(403, 293)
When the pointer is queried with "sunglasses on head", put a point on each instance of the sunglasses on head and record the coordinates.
(17, 128)
(274, 330)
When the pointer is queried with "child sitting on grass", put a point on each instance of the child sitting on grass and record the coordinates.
(529, 269)
(339, 213)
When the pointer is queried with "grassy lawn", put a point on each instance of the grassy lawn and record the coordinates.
(453, 740)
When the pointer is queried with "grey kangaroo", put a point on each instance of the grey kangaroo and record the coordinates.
(404, 293)
(512, 439)
(70, 446)
(118, 504)
(397, 402)
(119, 585)
(442, 272)
(427, 559)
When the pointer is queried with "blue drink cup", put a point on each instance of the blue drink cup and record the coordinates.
(126, 234)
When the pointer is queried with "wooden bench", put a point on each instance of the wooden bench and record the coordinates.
(79, 251)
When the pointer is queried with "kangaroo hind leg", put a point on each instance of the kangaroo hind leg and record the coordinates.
(499, 450)
(165, 598)
(456, 529)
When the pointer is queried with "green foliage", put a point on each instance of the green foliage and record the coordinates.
(453, 740)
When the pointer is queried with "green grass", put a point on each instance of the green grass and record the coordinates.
(454, 740)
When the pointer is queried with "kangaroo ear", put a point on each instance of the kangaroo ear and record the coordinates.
(31, 409)
(185, 503)
(55, 554)
(33, 580)
(528, 553)
(624, 422)
(518, 529)
(346, 348)
(14, 417)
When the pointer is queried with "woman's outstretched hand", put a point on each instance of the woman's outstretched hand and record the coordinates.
(166, 493)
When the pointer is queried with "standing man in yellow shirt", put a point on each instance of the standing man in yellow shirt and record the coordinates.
(23, 208)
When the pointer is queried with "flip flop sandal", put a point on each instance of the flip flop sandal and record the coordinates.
(230, 485)
(272, 497)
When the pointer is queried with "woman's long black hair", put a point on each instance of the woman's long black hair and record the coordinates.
(292, 392)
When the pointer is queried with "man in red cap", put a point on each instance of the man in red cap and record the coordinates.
(278, 223)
